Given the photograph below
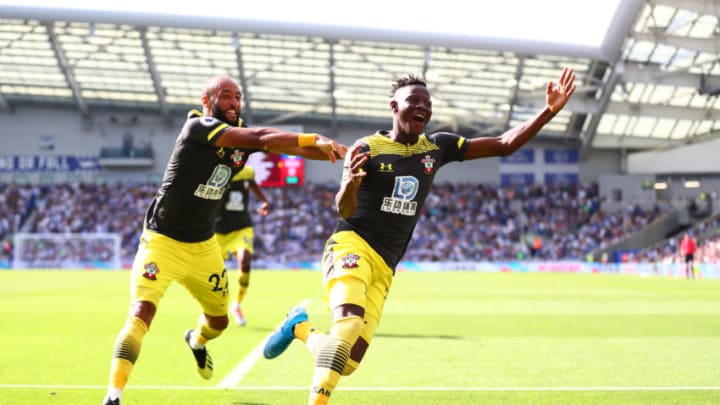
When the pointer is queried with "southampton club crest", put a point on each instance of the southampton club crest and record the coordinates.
(151, 271)
(350, 261)
(428, 164)
(237, 157)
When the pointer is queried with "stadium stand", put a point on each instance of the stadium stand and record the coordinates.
(636, 142)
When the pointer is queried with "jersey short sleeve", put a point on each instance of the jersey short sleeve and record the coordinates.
(453, 146)
(204, 130)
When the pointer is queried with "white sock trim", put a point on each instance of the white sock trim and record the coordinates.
(194, 342)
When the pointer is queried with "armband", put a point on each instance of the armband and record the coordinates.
(306, 140)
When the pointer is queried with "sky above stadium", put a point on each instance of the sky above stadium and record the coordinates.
(571, 22)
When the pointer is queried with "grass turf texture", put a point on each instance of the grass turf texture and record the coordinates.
(445, 338)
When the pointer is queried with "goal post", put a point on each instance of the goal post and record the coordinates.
(67, 251)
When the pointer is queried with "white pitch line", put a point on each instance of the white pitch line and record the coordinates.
(244, 367)
(304, 388)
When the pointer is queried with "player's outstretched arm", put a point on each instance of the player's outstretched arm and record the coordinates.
(266, 138)
(556, 96)
(320, 151)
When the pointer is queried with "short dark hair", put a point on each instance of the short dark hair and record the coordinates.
(409, 80)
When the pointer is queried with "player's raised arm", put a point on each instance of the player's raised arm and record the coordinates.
(556, 96)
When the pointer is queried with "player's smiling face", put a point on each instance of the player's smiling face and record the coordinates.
(412, 108)
(226, 103)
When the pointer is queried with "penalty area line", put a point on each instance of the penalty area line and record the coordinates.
(244, 367)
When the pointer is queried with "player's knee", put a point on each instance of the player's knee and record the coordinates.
(348, 328)
(219, 323)
(144, 310)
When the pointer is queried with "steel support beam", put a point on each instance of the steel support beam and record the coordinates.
(331, 88)
(603, 102)
(154, 75)
(516, 91)
(247, 111)
(707, 45)
(66, 68)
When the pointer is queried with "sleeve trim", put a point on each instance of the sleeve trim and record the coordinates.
(214, 132)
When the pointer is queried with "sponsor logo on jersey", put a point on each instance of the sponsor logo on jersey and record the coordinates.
(209, 121)
(350, 261)
(401, 202)
(428, 164)
(151, 271)
(399, 206)
(385, 167)
(235, 201)
(237, 157)
(207, 192)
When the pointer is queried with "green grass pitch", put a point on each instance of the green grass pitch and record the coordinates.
(445, 338)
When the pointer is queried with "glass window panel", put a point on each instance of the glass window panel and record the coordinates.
(661, 94)
(641, 51)
(607, 122)
(636, 92)
(698, 101)
(662, 15)
(704, 127)
(682, 97)
(664, 127)
(681, 130)
(643, 126)
(621, 125)
(704, 27)
(662, 54)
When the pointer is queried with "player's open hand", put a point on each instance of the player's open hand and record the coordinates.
(333, 149)
(558, 95)
(354, 172)
(264, 209)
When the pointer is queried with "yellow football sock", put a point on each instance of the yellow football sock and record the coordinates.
(304, 329)
(243, 283)
(333, 353)
(203, 333)
(127, 350)
(310, 335)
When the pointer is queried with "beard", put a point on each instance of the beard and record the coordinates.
(220, 114)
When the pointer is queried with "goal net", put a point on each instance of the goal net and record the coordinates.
(67, 251)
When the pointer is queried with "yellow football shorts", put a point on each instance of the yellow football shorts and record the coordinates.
(347, 256)
(198, 266)
(236, 241)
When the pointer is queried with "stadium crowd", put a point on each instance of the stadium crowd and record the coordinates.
(706, 235)
(543, 222)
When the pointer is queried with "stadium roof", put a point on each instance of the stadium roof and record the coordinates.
(648, 72)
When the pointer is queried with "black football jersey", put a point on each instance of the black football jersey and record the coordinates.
(398, 181)
(197, 175)
(234, 210)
